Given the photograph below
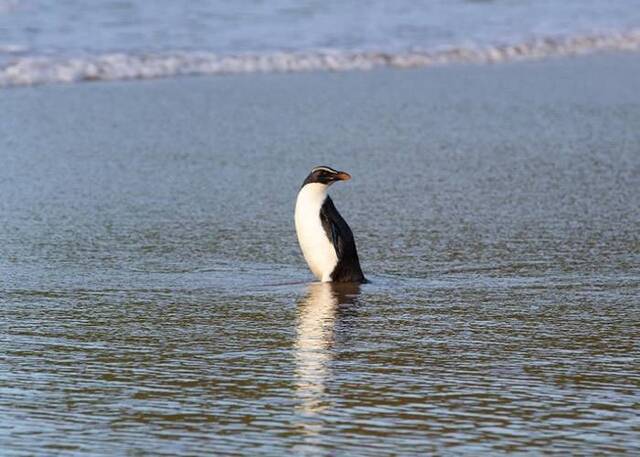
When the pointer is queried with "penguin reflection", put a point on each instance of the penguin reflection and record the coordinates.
(317, 316)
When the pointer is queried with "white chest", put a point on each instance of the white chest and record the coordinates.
(316, 247)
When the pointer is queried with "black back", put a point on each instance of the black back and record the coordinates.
(348, 267)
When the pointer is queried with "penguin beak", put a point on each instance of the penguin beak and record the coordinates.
(342, 176)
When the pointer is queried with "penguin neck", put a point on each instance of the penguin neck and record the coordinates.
(313, 194)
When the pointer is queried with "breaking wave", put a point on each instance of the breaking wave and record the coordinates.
(30, 70)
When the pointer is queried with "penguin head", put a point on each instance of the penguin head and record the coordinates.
(326, 176)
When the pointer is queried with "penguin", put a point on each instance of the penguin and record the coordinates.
(325, 238)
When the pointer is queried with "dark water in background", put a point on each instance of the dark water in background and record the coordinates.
(154, 300)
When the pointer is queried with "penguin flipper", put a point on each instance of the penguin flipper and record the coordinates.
(336, 240)
(338, 231)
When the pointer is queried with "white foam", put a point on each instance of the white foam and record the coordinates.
(29, 70)
(12, 48)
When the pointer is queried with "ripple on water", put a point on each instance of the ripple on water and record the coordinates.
(334, 367)
(153, 298)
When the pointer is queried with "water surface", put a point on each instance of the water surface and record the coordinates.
(154, 300)
(45, 41)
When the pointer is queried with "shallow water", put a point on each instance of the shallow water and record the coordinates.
(154, 300)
